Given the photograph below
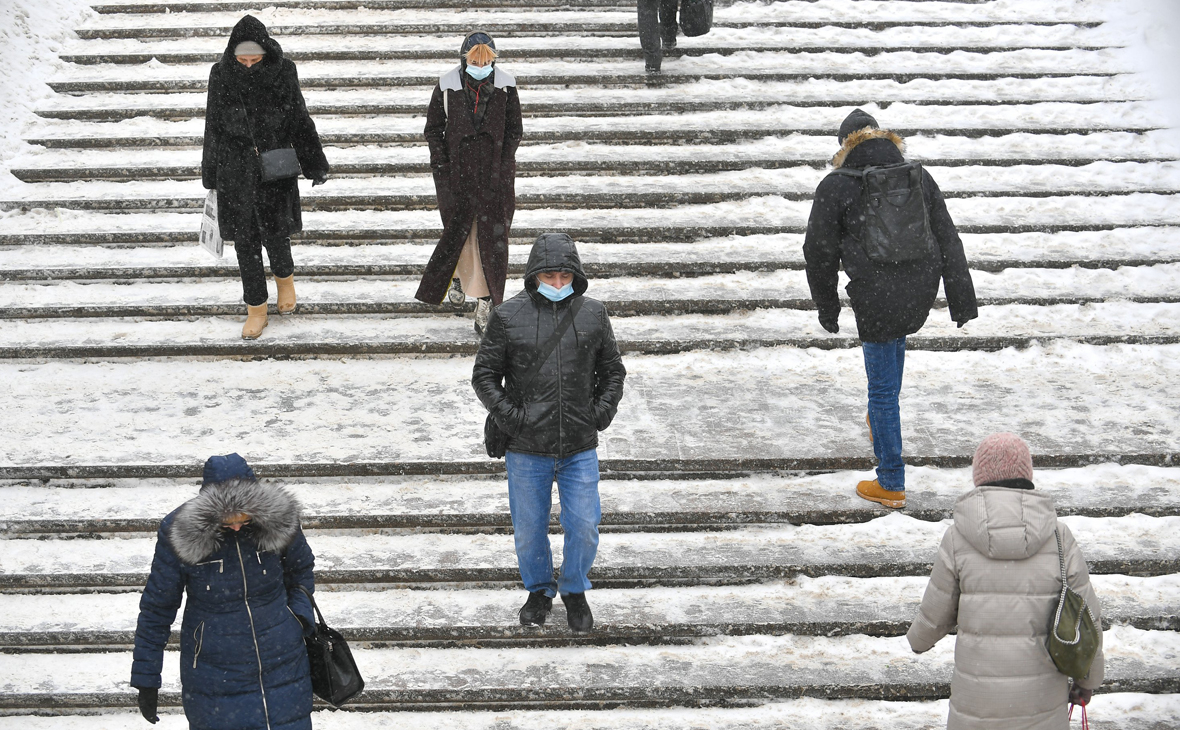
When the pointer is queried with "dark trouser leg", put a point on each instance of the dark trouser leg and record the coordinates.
(248, 248)
(278, 250)
(649, 33)
(884, 363)
(669, 27)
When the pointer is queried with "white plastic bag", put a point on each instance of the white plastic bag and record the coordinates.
(210, 232)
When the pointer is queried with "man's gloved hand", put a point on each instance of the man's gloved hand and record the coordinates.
(830, 324)
(1079, 695)
(148, 703)
(319, 181)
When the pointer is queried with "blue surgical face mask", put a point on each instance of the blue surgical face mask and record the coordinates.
(553, 294)
(479, 73)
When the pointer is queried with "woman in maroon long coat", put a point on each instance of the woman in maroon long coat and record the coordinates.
(473, 127)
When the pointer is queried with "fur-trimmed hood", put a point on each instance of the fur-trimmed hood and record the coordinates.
(196, 530)
(862, 136)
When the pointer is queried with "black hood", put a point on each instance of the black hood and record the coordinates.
(250, 28)
(554, 252)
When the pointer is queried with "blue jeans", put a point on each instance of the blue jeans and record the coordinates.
(884, 364)
(530, 497)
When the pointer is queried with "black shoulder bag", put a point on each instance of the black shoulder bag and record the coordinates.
(335, 678)
(280, 164)
(495, 440)
(696, 17)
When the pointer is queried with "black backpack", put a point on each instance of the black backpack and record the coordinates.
(896, 221)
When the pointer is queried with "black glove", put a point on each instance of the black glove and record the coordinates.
(831, 325)
(1079, 695)
(148, 702)
(319, 181)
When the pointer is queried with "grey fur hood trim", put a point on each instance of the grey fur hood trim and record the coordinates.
(196, 530)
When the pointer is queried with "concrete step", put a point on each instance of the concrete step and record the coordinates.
(639, 191)
(1119, 711)
(893, 545)
(719, 41)
(623, 295)
(753, 66)
(59, 508)
(986, 252)
(753, 216)
(314, 336)
(826, 606)
(699, 96)
(204, 6)
(726, 670)
(801, 409)
(717, 127)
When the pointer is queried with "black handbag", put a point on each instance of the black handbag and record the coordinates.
(280, 164)
(696, 17)
(335, 678)
(495, 440)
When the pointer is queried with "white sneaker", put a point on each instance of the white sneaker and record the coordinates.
(483, 310)
(455, 295)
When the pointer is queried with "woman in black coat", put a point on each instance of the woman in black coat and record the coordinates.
(473, 127)
(255, 106)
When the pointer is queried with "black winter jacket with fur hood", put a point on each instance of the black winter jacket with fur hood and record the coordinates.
(889, 300)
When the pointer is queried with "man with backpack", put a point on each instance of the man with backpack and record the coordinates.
(551, 376)
(884, 220)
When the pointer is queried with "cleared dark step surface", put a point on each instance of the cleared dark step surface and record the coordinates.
(721, 670)
(827, 606)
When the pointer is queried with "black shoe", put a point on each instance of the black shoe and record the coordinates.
(652, 62)
(536, 609)
(577, 612)
(669, 43)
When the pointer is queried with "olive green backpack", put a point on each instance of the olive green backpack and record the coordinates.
(1073, 635)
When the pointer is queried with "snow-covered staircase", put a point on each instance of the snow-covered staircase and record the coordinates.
(741, 584)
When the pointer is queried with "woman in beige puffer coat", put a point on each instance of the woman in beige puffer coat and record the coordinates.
(997, 578)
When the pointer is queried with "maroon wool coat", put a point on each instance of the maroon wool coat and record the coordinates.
(474, 178)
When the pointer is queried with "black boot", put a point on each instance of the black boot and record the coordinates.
(577, 612)
(652, 61)
(536, 609)
(669, 41)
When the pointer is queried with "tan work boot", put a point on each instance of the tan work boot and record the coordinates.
(874, 492)
(255, 321)
(286, 289)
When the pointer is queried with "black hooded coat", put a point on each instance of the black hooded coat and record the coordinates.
(474, 168)
(577, 391)
(890, 300)
(260, 106)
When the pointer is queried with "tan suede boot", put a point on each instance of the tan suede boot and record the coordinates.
(255, 321)
(286, 289)
(874, 492)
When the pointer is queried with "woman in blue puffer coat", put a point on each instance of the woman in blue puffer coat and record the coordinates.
(238, 551)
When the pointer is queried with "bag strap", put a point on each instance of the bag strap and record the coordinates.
(249, 125)
(550, 344)
(314, 607)
(1061, 559)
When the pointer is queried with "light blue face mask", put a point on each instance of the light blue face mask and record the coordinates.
(479, 73)
(553, 294)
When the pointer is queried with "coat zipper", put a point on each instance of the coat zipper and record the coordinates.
(199, 637)
(560, 402)
(253, 633)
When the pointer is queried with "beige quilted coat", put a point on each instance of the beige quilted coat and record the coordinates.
(997, 578)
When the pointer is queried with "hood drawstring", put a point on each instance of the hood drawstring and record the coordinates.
(477, 90)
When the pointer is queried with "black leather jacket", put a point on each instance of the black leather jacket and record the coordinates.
(577, 391)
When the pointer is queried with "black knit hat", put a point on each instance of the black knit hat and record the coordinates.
(854, 122)
(473, 39)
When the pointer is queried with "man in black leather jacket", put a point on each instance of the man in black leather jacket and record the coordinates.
(553, 423)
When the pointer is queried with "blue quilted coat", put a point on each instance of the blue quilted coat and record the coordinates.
(243, 663)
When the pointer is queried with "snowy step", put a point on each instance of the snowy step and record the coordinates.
(187, 6)
(1113, 711)
(801, 409)
(792, 151)
(704, 95)
(309, 335)
(764, 66)
(465, 504)
(798, 183)
(906, 119)
(623, 295)
(721, 41)
(825, 606)
(712, 670)
(893, 545)
(755, 215)
(985, 252)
